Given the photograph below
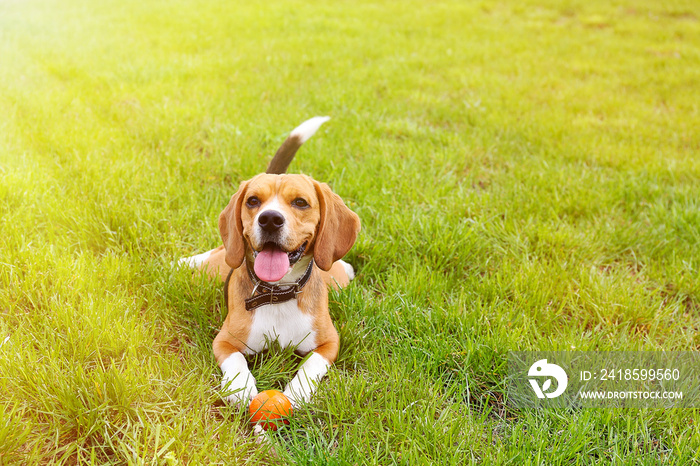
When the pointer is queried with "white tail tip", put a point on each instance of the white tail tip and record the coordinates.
(307, 129)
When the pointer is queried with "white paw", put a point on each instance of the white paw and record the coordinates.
(239, 392)
(348, 269)
(194, 261)
(238, 383)
(303, 385)
(292, 398)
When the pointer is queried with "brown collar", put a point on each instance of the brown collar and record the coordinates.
(275, 294)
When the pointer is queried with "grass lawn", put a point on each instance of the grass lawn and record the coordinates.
(527, 174)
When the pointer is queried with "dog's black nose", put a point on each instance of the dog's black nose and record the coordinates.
(271, 221)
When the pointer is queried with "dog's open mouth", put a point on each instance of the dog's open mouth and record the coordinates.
(273, 263)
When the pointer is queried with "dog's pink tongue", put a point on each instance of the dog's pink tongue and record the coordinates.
(271, 264)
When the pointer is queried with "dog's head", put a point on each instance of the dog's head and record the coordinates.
(275, 220)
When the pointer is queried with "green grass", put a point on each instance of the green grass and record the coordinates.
(527, 175)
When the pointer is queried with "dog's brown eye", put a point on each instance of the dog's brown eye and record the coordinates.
(300, 203)
(252, 201)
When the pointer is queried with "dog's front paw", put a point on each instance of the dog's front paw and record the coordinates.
(302, 387)
(238, 383)
(240, 388)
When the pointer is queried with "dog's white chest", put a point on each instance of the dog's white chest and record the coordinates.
(282, 322)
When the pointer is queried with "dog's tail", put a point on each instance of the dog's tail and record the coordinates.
(291, 145)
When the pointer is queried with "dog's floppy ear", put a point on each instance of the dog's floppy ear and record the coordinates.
(337, 229)
(231, 228)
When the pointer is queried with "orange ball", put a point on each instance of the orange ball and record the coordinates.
(270, 408)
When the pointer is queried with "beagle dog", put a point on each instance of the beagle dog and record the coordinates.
(283, 238)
